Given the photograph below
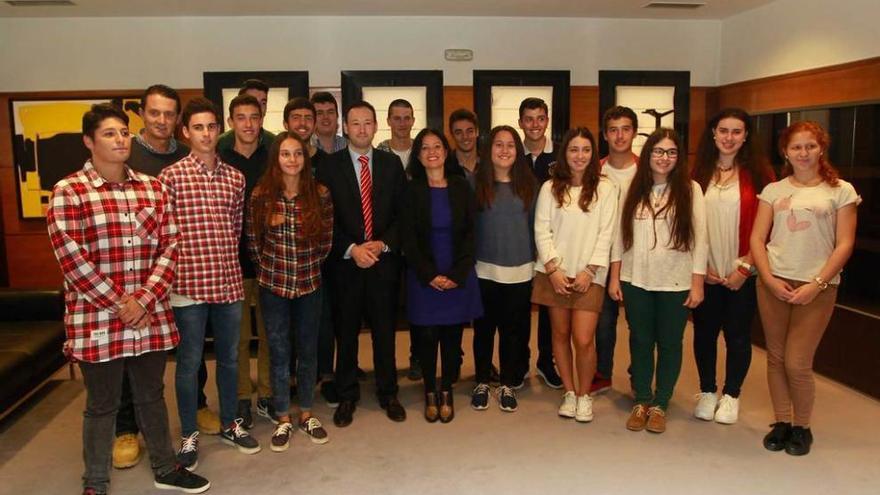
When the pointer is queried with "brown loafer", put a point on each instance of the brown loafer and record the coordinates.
(432, 412)
(656, 420)
(638, 418)
(447, 411)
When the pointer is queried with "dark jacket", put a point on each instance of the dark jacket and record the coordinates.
(416, 229)
(389, 183)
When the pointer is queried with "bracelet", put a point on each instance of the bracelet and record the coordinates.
(591, 272)
(745, 272)
(551, 272)
(750, 268)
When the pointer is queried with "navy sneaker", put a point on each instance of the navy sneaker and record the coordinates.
(550, 376)
(480, 397)
(182, 480)
(507, 399)
(239, 437)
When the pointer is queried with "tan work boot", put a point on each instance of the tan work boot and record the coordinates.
(656, 420)
(637, 418)
(126, 451)
(207, 421)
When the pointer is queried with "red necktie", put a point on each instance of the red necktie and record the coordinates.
(366, 196)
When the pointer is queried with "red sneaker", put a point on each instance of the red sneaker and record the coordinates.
(600, 384)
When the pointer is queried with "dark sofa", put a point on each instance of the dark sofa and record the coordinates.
(31, 340)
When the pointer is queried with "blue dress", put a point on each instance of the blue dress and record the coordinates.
(428, 306)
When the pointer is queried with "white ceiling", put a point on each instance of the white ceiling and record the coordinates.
(628, 9)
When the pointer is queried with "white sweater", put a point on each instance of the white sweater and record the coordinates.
(660, 267)
(575, 238)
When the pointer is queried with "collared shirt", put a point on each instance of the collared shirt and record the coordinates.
(288, 263)
(357, 174)
(357, 163)
(542, 163)
(172, 144)
(113, 239)
(147, 160)
(339, 143)
(208, 210)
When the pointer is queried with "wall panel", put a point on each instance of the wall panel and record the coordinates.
(846, 83)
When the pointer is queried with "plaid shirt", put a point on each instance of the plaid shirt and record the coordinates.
(208, 210)
(113, 239)
(288, 264)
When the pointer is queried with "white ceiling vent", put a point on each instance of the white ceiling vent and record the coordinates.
(40, 3)
(660, 4)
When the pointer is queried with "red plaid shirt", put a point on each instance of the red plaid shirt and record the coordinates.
(110, 240)
(208, 210)
(289, 264)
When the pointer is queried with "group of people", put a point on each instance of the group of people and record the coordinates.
(159, 242)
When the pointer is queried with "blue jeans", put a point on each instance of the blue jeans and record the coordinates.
(606, 336)
(305, 314)
(226, 324)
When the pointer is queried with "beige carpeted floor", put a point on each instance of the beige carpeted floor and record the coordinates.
(531, 451)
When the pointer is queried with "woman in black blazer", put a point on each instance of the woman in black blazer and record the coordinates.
(437, 234)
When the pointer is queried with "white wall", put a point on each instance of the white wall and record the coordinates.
(129, 53)
(792, 35)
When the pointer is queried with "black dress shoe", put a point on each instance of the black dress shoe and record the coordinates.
(394, 410)
(799, 442)
(343, 415)
(778, 436)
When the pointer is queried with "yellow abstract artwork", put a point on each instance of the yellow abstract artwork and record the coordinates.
(47, 144)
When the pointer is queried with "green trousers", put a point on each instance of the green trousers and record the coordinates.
(656, 320)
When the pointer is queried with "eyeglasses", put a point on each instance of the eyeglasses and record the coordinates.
(672, 153)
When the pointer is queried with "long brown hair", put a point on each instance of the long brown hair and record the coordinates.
(561, 173)
(826, 169)
(679, 205)
(270, 189)
(750, 157)
(521, 177)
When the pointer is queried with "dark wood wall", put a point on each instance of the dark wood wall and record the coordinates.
(848, 350)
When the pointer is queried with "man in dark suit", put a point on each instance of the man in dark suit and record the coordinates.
(367, 186)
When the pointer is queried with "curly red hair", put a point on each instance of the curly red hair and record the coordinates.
(826, 170)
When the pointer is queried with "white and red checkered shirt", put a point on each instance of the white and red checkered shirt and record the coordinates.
(113, 239)
(288, 263)
(208, 209)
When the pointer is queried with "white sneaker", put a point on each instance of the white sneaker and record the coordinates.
(706, 404)
(728, 410)
(584, 409)
(568, 407)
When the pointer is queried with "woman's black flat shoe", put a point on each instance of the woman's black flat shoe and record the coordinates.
(799, 442)
(778, 437)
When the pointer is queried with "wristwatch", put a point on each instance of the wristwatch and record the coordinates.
(821, 283)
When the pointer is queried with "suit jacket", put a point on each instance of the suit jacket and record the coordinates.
(416, 229)
(389, 184)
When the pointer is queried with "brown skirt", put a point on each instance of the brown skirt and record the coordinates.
(543, 294)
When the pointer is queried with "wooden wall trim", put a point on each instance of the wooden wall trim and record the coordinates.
(853, 82)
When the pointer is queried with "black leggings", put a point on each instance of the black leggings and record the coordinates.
(507, 308)
(732, 311)
(448, 339)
